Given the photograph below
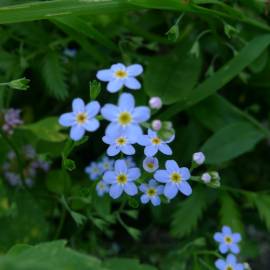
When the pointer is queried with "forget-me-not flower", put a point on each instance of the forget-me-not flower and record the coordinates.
(150, 164)
(106, 164)
(228, 241)
(102, 188)
(119, 75)
(230, 263)
(81, 119)
(93, 170)
(151, 192)
(153, 144)
(122, 179)
(119, 142)
(125, 117)
(175, 178)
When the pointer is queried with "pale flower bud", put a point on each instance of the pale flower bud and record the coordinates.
(199, 158)
(156, 125)
(206, 178)
(155, 103)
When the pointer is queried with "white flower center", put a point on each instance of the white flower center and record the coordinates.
(156, 141)
(120, 74)
(124, 118)
(121, 141)
(121, 179)
(81, 118)
(228, 239)
(151, 192)
(176, 177)
(229, 267)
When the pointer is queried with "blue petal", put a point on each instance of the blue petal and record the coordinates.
(143, 140)
(91, 125)
(141, 114)
(132, 83)
(120, 166)
(144, 199)
(116, 191)
(171, 166)
(133, 174)
(143, 188)
(133, 131)
(231, 259)
(155, 200)
(170, 190)
(113, 150)
(226, 230)
(165, 149)
(151, 133)
(185, 188)
(67, 120)
(135, 70)
(113, 129)
(108, 139)
(109, 177)
(118, 66)
(110, 112)
(128, 149)
(160, 190)
(162, 176)
(115, 85)
(239, 266)
(218, 237)
(131, 189)
(236, 237)
(78, 105)
(150, 150)
(92, 108)
(185, 174)
(126, 102)
(220, 264)
(152, 183)
(223, 248)
(105, 75)
(234, 248)
(77, 132)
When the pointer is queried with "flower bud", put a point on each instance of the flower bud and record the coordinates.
(206, 178)
(211, 179)
(155, 103)
(199, 158)
(156, 125)
(19, 84)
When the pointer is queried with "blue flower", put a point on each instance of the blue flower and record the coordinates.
(230, 263)
(106, 164)
(125, 118)
(130, 162)
(81, 119)
(153, 144)
(119, 75)
(93, 170)
(121, 179)
(151, 192)
(150, 164)
(175, 178)
(102, 188)
(119, 142)
(227, 240)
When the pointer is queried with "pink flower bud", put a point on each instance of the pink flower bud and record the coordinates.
(156, 125)
(155, 103)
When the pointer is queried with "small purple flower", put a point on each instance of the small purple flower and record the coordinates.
(227, 240)
(119, 142)
(119, 75)
(230, 263)
(81, 119)
(125, 118)
(94, 171)
(151, 192)
(175, 179)
(29, 151)
(130, 162)
(13, 179)
(121, 179)
(153, 144)
(155, 103)
(150, 164)
(102, 188)
(12, 120)
(106, 164)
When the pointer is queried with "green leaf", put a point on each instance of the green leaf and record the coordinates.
(124, 263)
(230, 142)
(172, 80)
(58, 181)
(53, 73)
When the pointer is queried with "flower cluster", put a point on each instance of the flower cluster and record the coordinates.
(10, 119)
(32, 165)
(228, 242)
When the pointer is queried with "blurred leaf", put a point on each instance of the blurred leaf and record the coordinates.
(124, 263)
(58, 181)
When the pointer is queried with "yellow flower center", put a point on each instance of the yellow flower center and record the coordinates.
(229, 267)
(151, 192)
(121, 141)
(176, 177)
(228, 239)
(81, 118)
(124, 118)
(120, 74)
(156, 140)
(121, 179)
(150, 165)
(101, 186)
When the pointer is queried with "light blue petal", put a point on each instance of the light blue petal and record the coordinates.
(116, 191)
(109, 177)
(135, 70)
(226, 230)
(185, 174)
(113, 150)
(133, 174)
(220, 264)
(143, 140)
(185, 188)
(218, 237)
(67, 120)
(236, 237)
(131, 189)
(120, 166)
(92, 108)
(78, 105)
(155, 200)
(108, 139)
(91, 125)
(223, 248)
(170, 190)
(171, 166)
(165, 149)
(115, 85)
(141, 114)
(150, 150)
(110, 112)
(143, 188)
(234, 248)
(118, 66)
(128, 149)
(126, 102)
(170, 139)
(162, 176)
(132, 83)
(239, 266)
(231, 259)
(152, 183)
(160, 190)
(151, 133)
(144, 199)
(105, 75)
(77, 132)
(133, 131)
(113, 129)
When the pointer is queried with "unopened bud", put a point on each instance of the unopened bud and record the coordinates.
(206, 178)
(155, 103)
(199, 158)
(156, 125)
